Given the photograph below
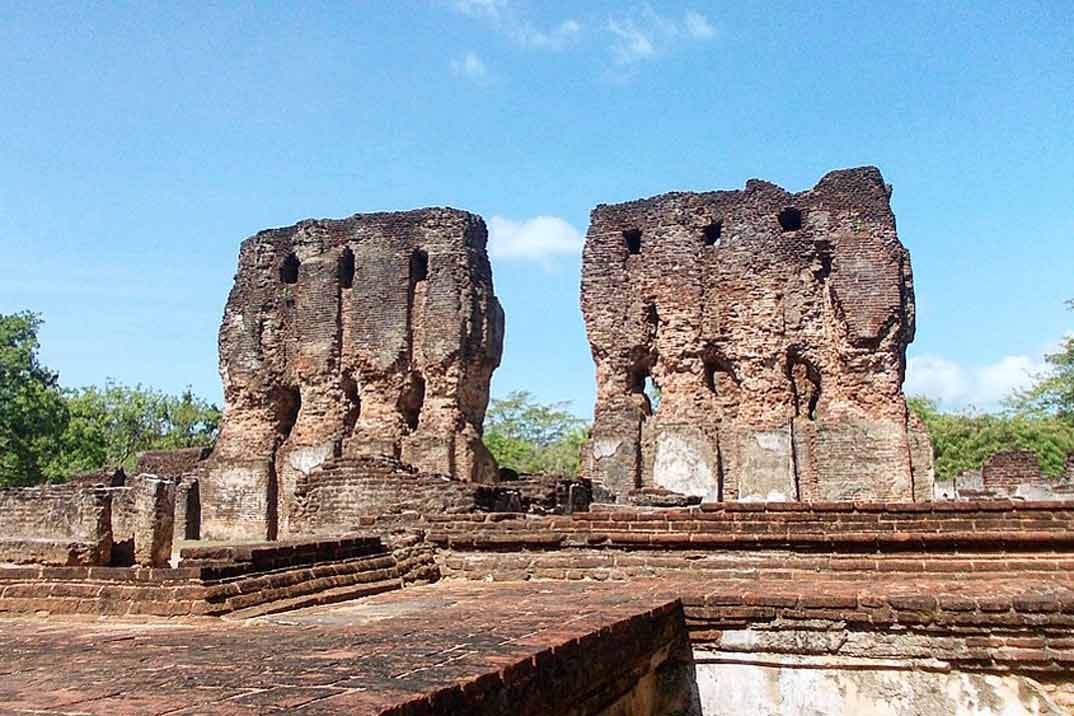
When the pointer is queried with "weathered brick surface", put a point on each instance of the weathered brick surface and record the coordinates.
(941, 529)
(143, 517)
(56, 524)
(372, 335)
(172, 464)
(333, 496)
(1007, 470)
(460, 649)
(776, 326)
(225, 579)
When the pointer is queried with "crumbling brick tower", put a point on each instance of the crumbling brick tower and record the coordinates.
(373, 335)
(775, 326)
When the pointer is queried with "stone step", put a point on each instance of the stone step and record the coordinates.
(328, 596)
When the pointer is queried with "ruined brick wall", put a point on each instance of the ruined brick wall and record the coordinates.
(333, 497)
(1008, 470)
(143, 521)
(172, 464)
(372, 335)
(187, 468)
(56, 524)
(775, 325)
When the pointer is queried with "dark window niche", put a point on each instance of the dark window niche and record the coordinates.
(346, 269)
(632, 238)
(419, 266)
(712, 233)
(790, 219)
(289, 269)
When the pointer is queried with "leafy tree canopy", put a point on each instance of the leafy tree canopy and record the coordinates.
(48, 433)
(110, 425)
(1053, 392)
(963, 442)
(529, 437)
(32, 411)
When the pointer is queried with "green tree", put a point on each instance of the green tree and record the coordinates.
(112, 424)
(529, 437)
(1053, 392)
(32, 410)
(963, 441)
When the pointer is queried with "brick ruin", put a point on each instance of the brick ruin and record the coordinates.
(763, 541)
(374, 335)
(775, 326)
(1009, 474)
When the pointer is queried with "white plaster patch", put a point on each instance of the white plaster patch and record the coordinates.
(606, 447)
(305, 459)
(681, 467)
(831, 686)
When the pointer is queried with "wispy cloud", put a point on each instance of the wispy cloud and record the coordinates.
(698, 26)
(645, 33)
(540, 239)
(982, 387)
(505, 18)
(471, 67)
(481, 8)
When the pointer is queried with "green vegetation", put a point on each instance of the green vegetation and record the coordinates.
(1053, 393)
(48, 433)
(528, 437)
(33, 412)
(963, 442)
(1040, 419)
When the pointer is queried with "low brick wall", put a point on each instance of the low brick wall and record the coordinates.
(55, 524)
(330, 498)
(833, 528)
(246, 580)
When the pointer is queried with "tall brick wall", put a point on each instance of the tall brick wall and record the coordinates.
(56, 524)
(372, 335)
(775, 325)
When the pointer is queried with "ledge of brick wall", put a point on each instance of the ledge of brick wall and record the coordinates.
(214, 581)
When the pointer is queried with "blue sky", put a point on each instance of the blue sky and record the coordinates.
(141, 142)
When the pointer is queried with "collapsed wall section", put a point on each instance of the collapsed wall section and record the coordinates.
(374, 335)
(774, 328)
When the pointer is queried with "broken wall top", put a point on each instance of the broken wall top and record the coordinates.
(749, 308)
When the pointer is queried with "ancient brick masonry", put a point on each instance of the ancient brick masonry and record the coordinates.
(775, 326)
(373, 335)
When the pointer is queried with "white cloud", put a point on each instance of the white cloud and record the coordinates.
(983, 387)
(538, 239)
(645, 33)
(481, 8)
(505, 19)
(470, 65)
(698, 26)
(631, 43)
(557, 38)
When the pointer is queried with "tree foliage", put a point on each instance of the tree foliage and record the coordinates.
(963, 441)
(110, 425)
(48, 433)
(32, 411)
(529, 437)
(1053, 392)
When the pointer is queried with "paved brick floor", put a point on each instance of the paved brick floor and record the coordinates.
(362, 657)
(354, 658)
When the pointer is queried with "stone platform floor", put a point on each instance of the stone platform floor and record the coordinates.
(354, 658)
(366, 656)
